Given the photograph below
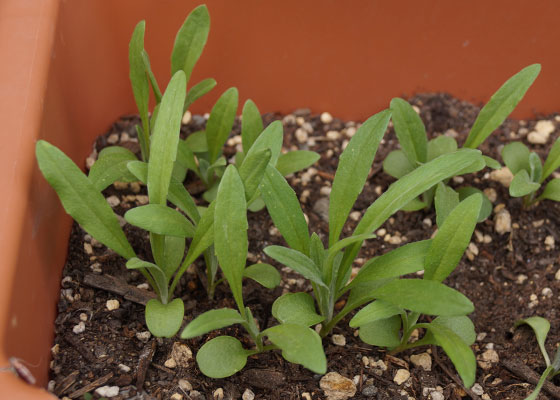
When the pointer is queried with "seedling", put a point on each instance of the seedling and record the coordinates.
(541, 327)
(417, 150)
(329, 269)
(530, 174)
(223, 356)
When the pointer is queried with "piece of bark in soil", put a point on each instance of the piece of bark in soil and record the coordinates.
(526, 373)
(263, 378)
(144, 362)
(116, 286)
(91, 386)
(66, 383)
(79, 346)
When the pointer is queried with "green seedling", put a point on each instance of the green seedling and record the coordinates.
(224, 356)
(416, 149)
(541, 327)
(529, 173)
(391, 318)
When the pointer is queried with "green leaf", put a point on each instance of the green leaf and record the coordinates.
(197, 142)
(551, 190)
(165, 139)
(414, 205)
(251, 124)
(485, 209)
(373, 312)
(151, 76)
(491, 163)
(362, 294)
(549, 371)
(396, 164)
(111, 168)
(445, 200)
(552, 161)
(410, 131)
(197, 91)
(284, 209)
(331, 267)
(461, 325)
(452, 238)
(211, 320)
(81, 199)
(300, 345)
(256, 205)
(501, 104)
(164, 320)
(383, 332)
(535, 167)
(403, 260)
(161, 220)
(173, 253)
(222, 357)
(190, 41)
(296, 308)
(441, 145)
(271, 138)
(185, 156)
(230, 233)
(516, 157)
(424, 296)
(540, 326)
(263, 273)
(294, 161)
(220, 123)
(522, 185)
(252, 171)
(160, 278)
(353, 168)
(297, 261)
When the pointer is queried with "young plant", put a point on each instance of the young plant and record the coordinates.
(529, 173)
(329, 269)
(541, 327)
(417, 150)
(223, 356)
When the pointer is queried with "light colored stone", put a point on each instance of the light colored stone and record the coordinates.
(88, 248)
(325, 190)
(306, 396)
(135, 187)
(423, 360)
(143, 336)
(542, 131)
(339, 340)
(488, 358)
(473, 248)
(321, 208)
(123, 368)
(547, 292)
(218, 394)
(355, 215)
(185, 385)
(112, 304)
(521, 278)
(333, 135)
(120, 185)
(186, 117)
(557, 275)
(83, 317)
(485, 396)
(307, 127)
(477, 389)
(502, 175)
(170, 363)
(350, 131)
(248, 395)
(144, 286)
(182, 354)
(113, 201)
(502, 222)
(337, 387)
(80, 328)
(107, 391)
(326, 118)
(435, 395)
(401, 376)
(113, 138)
(491, 194)
(142, 199)
(427, 222)
(176, 396)
(381, 232)
(549, 242)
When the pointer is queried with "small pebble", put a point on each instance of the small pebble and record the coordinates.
(144, 286)
(87, 248)
(107, 391)
(182, 354)
(423, 360)
(124, 368)
(351, 131)
(170, 363)
(218, 394)
(196, 395)
(337, 387)
(113, 138)
(557, 275)
(51, 385)
(502, 222)
(185, 385)
(113, 201)
(176, 396)
(369, 391)
(547, 292)
(143, 336)
(502, 175)
(521, 278)
(542, 131)
(549, 242)
(477, 389)
(83, 317)
(326, 118)
(142, 199)
(339, 340)
(355, 215)
(80, 328)
(306, 396)
(491, 194)
(248, 395)
(401, 376)
(427, 222)
(333, 135)
(112, 305)
(186, 117)
(435, 395)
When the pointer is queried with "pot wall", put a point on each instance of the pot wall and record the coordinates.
(66, 80)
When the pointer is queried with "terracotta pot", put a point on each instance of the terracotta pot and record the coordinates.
(64, 78)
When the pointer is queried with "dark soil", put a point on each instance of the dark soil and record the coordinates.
(507, 277)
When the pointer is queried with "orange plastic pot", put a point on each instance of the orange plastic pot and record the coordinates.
(64, 78)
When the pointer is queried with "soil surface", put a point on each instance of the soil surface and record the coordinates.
(507, 276)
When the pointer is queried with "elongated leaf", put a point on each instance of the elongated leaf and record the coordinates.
(491, 163)
(190, 41)
(461, 325)
(445, 200)
(196, 142)
(540, 326)
(414, 205)
(220, 123)
(535, 167)
(501, 104)
(284, 209)
(333, 264)
(396, 164)
(453, 237)
(294, 161)
(549, 371)
(441, 145)
(252, 171)
(424, 296)
(552, 161)
(222, 357)
(353, 168)
(173, 253)
(197, 91)
(271, 138)
(362, 294)
(164, 320)
(485, 209)
(81, 199)
(522, 185)
(410, 131)
(165, 139)
(263, 273)
(401, 261)
(373, 312)
(383, 332)
(111, 168)
(516, 157)
(211, 320)
(297, 261)
(300, 345)
(156, 272)
(251, 124)
(161, 220)
(230, 231)
(151, 76)
(296, 308)
(185, 156)
(551, 190)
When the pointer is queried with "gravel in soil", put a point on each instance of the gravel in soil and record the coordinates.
(102, 341)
